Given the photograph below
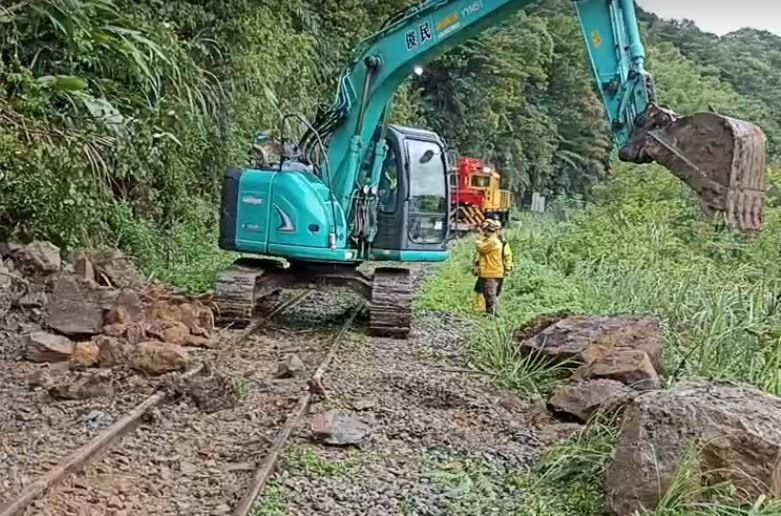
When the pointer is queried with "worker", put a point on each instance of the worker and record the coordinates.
(507, 263)
(490, 267)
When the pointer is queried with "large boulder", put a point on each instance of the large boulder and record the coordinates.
(581, 400)
(111, 351)
(169, 331)
(631, 367)
(38, 257)
(566, 340)
(735, 430)
(46, 347)
(114, 269)
(76, 306)
(156, 358)
(127, 309)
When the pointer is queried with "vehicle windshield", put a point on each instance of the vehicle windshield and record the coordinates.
(481, 181)
(428, 192)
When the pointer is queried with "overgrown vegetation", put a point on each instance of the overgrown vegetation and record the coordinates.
(119, 113)
(640, 247)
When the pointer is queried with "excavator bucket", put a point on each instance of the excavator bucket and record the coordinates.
(722, 159)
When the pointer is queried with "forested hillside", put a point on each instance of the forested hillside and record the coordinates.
(119, 116)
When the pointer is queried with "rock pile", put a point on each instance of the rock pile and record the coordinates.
(613, 356)
(97, 312)
(730, 432)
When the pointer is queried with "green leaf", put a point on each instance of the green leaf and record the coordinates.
(63, 82)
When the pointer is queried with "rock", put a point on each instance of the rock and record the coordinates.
(39, 379)
(38, 256)
(5, 278)
(115, 330)
(581, 400)
(737, 430)
(155, 358)
(113, 269)
(512, 404)
(163, 311)
(292, 365)
(35, 297)
(111, 351)
(96, 419)
(118, 316)
(128, 309)
(83, 268)
(85, 354)
(8, 248)
(169, 331)
(628, 366)
(339, 428)
(568, 338)
(47, 347)
(136, 333)
(88, 386)
(198, 318)
(76, 306)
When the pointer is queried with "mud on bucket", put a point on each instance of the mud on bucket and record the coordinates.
(722, 159)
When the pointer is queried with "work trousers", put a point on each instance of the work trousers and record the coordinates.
(490, 288)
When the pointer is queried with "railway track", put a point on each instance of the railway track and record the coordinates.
(169, 455)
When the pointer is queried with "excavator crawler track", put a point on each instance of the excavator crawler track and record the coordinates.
(239, 292)
(390, 311)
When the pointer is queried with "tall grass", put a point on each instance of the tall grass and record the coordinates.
(641, 248)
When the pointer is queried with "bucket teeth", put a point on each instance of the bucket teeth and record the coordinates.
(722, 159)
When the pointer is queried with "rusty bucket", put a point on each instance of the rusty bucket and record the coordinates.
(721, 158)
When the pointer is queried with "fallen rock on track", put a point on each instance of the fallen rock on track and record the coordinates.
(174, 332)
(38, 258)
(340, 428)
(568, 338)
(76, 306)
(112, 351)
(47, 347)
(581, 400)
(157, 358)
(114, 269)
(631, 367)
(91, 385)
(736, 431)
(85, 354)
(290, 366)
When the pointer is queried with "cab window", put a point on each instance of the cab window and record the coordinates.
(389, 182)
(481, 181)
(428, 192)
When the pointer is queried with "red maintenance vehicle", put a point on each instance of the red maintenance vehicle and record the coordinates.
(476, 195)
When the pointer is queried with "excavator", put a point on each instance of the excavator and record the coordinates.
(357, 189)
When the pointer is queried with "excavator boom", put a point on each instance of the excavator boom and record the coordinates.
(721, 159)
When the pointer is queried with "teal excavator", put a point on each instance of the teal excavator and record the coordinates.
(355, 188)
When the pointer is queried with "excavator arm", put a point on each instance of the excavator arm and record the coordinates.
(720, 158)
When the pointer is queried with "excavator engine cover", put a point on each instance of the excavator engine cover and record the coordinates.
(722, 159)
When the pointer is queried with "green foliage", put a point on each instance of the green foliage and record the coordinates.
(136, 107)
(642, 247)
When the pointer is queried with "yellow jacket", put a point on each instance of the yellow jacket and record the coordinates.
(489, 258)
(507, 259)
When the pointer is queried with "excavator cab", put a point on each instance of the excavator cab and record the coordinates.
(412, 210)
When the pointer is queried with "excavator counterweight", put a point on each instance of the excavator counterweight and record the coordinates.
(721, 158)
